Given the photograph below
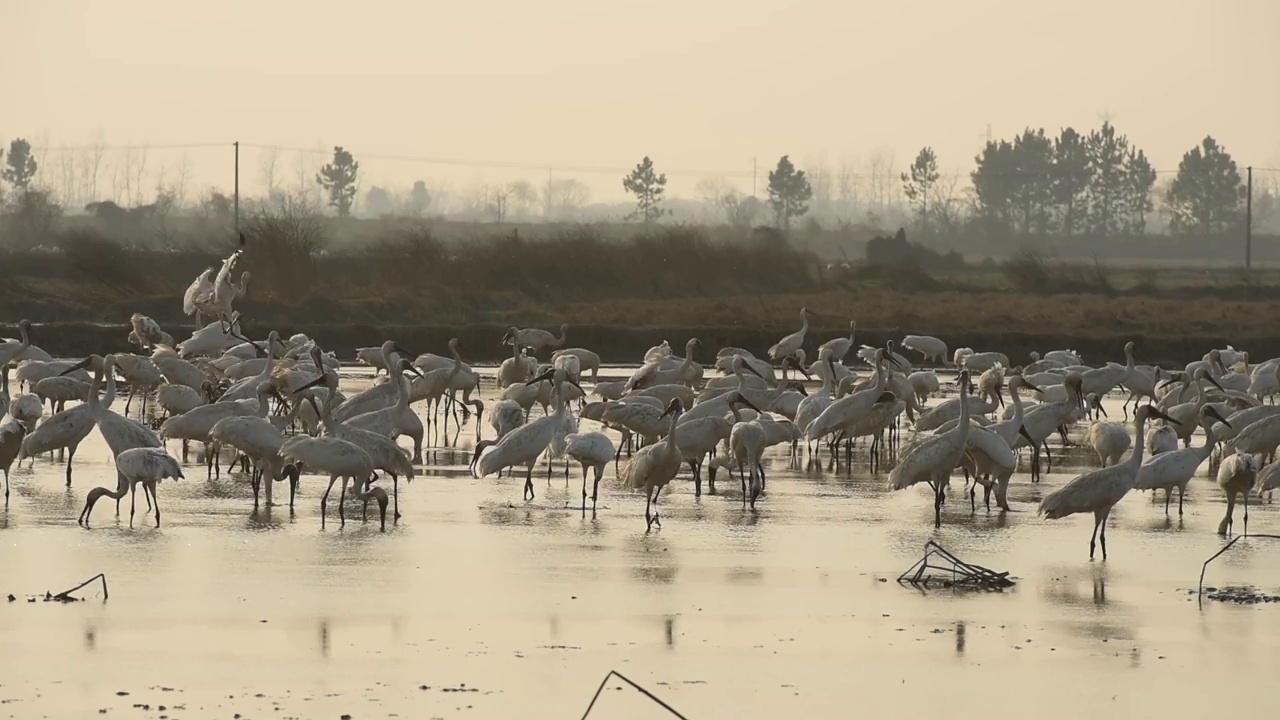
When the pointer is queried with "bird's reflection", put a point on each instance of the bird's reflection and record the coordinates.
(324, 638)
(960, 638)
(669, 625)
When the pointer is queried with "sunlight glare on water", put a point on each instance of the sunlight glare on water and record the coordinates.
(479, 605)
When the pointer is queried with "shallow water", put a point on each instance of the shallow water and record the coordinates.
(479, 605)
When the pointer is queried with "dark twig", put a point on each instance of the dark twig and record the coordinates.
(1205, 567)
(65, 595)
(624, 678)
(962, 574)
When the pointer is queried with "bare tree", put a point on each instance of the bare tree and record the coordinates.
(564, 197)
(946, 204)
(92, 163)
(847, 188)
(68, 183)
(182, 178)
(267, 168)
(882, 179)
(501, 199)
(136, 170)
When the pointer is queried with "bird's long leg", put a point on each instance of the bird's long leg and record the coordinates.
(584, 490)
(157, 502)
(395, 490)
(697, 479)
(648, 502)
(133, 496)
(71, 455)
(1246, 512)
(528, 483)
(342, 501)
(657, 519)
(1168, 495)
(742, 475)
(1048, 456)
(324, 500)
(938, 498)
(1102, 536)
(595, 487)
(1181, 491)
(1225, 525)
(254, 481)
(1097, 520)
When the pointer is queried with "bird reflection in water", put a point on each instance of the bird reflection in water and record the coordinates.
(91, 638)
(670, 626)
(324, 638)
(960, 639)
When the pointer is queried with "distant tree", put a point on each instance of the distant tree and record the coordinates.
(1206, 193)
(992, 183)
(378, 202)
(564, 197)
(1031, 181)
(918, 183)
(20, 166)
(1108, 185)
(1070, 177)
(1140, 178)
(501, 199)
(419, 199)
(648, 187)
(338, 178)
(789, 193)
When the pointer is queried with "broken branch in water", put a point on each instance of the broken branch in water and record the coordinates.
(65, 595)
(958, 572)
(1228, 546)
(646, 693)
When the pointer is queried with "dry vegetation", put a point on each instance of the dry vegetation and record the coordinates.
(620, 292)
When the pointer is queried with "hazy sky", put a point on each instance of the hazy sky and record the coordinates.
(697, 84)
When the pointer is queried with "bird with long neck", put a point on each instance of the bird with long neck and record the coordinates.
(655, 465)
(933, 459)
(1099, 490)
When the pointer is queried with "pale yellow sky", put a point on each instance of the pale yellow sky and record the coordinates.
(697, 84)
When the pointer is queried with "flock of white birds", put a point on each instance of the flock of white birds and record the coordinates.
(277, 405)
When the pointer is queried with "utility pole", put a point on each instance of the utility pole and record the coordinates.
(237, 144)
(1248, 226)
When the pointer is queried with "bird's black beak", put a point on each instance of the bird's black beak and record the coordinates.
(1156, 412)
(886, 396)
(1215, 382)
(318, 381)
(78, 366)
(796, 364)
(1168, 382)
(1022, 430)
(744, 401)
(406, 365)
(1029, 384)
(747, 366)
(404, 353)
(1213, 412)
(546, 376)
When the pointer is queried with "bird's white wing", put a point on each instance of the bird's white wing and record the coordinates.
(197, 292)
(222, 289)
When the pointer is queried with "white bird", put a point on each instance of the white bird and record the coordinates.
(524, 445)
(372, 398)
(260, 441)
(383, 450)
(838, 348)
(1174, 468)
(587, 360)
(933, 349)
(534, 338)
(1043, 420)
(141, 374)
(339, 459)
(687, 371)
(1099, 490)
(850, 407)
(1268, 480)
(746, 445)
(813, 405)
(1161, 439)
(58, 391)
(1186, 416)
(12, 432)
(197, 423)
(592, 450)
(9, 352)
(933, 458)
(517, 369)
(654, 466)
(980, 362)
(142, 465)
(1109, 440)
(146, 333)
(658, 352)
(1236, 476)
(212, 339)
(394, 421)
(67, 428)
(924, 383)
(1065, 358)
(248, 387)
(787, 346)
